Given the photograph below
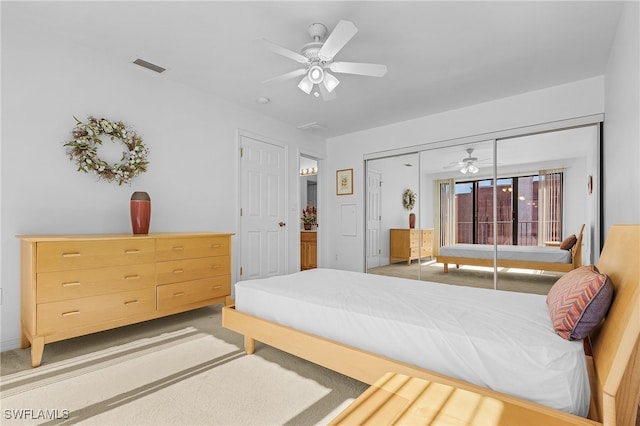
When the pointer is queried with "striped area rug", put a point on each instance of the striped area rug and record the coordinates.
(185, 376)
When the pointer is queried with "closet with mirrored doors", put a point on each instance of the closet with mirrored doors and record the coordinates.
(474, 211)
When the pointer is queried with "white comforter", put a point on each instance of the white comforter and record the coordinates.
(497, 339)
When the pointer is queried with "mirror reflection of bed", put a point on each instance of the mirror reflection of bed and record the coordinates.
(544, 194)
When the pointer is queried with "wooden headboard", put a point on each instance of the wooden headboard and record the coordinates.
(576, 253)
(615, 382)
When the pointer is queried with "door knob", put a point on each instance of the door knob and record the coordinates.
(282, 224)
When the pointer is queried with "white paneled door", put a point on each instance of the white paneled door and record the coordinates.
(374, 216)
(263, 250)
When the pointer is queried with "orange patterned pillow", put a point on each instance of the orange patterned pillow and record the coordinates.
(579, 301)
(569, 242)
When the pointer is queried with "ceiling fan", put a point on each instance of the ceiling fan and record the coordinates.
(317, 58)
(468, 164)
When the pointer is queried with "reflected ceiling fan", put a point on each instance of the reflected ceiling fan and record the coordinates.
(468, 164)
(317, 58)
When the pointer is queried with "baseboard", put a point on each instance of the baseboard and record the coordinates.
(8, 345)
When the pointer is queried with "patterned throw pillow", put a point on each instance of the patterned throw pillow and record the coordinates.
(569, 242)
(578, 301)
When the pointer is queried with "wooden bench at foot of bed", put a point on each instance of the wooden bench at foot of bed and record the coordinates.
(398, 399)
(614, 365)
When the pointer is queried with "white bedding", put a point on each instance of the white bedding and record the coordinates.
(526, 253)
(496, 339)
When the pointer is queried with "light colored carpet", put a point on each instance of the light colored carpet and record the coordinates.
(523, 280)
(180, 370)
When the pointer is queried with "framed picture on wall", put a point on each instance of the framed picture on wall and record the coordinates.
(344, 182)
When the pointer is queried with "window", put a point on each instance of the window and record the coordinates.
(528, 208)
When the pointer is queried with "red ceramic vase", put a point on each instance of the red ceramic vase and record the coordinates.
(140, 212)
(412, 220)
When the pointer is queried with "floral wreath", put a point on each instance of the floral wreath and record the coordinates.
(84, 150)
(408, 199)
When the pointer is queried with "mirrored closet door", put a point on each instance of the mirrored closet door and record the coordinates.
(393, 241)
(456, 205)
(476, 203)
(543, 198)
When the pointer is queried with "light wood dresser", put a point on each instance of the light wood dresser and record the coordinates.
(74, 285)
(409, 244)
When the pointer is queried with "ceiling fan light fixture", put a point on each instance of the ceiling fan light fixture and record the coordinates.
(315, 73)
(305, 85)
(330, 82)
(469, 168)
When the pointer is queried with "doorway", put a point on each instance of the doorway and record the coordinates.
(310, 215)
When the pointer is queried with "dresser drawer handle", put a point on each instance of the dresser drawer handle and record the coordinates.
(177, 248)
(66, 314)
(216, 287)
(181, 293)
(131, 302)
(71, 284)
(178, 271)
(216, 266)
(135, 251)
(216, 245)
(74, 254)
(132, 277)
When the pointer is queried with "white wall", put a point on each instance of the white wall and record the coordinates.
(622, 125)
(192, 138)
(577, 99)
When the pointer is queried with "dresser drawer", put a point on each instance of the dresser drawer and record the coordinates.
(185, 248)
(174, 295)
(192, 269)
(63, 285)
(65, 315)
(79, 254)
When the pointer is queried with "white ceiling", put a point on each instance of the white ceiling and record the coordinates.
(440, 55)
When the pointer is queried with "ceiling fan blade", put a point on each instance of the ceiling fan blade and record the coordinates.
(276, 48)
(287, 76)
(326, 95)
(372, 70)
(339, 37)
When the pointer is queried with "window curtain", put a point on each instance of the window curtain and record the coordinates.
(550, 205)
(444, 213)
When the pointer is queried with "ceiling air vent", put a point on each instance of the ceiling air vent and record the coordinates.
(312, 126)
(149, 65)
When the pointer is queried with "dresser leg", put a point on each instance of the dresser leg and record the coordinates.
(249, 345)
(37, 349)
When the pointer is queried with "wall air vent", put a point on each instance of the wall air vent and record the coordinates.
(149, 65)
(312, 126)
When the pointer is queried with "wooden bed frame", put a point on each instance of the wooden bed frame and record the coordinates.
(576, 260)
(613, 358)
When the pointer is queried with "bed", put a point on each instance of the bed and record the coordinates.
(548, 257)
(612, 364)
